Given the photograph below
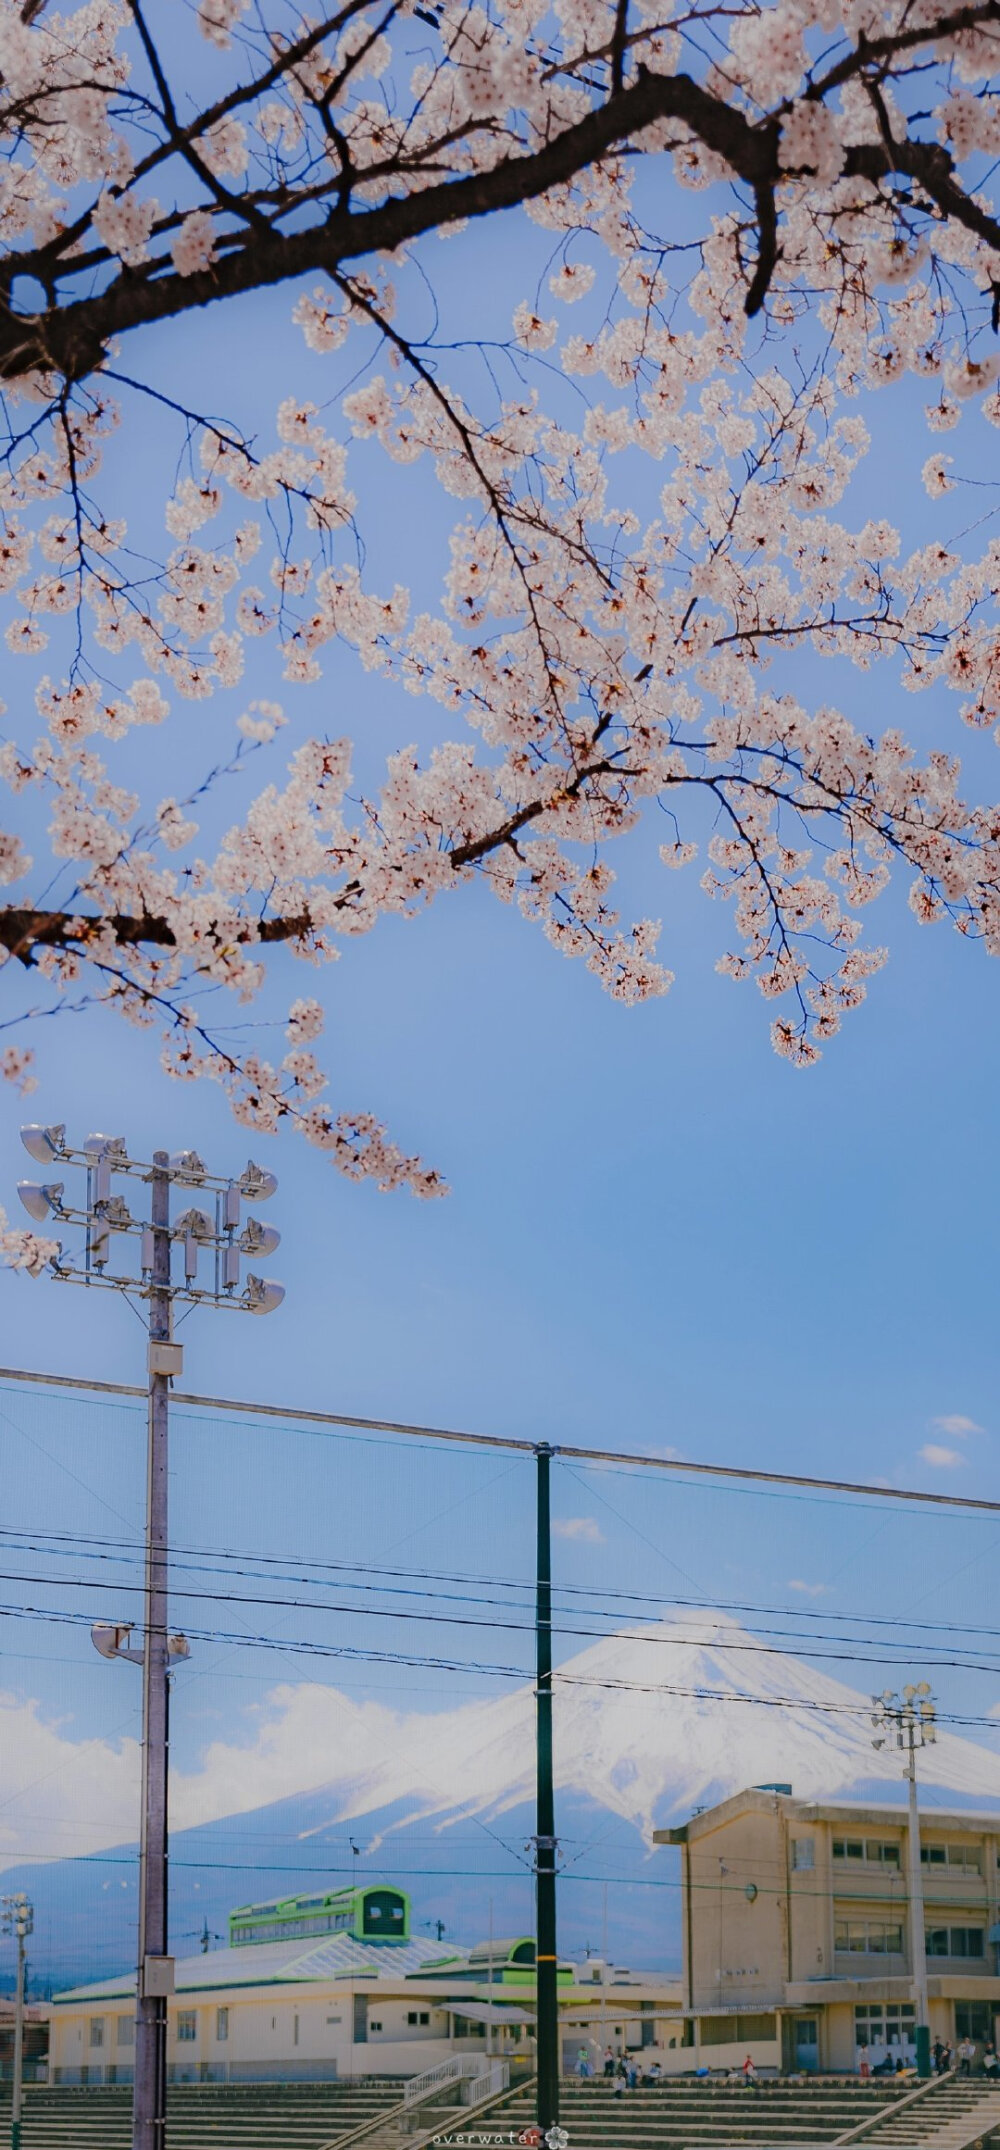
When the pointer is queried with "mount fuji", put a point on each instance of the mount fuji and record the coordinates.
(649, 1722)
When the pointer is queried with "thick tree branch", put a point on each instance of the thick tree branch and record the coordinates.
(71, 339)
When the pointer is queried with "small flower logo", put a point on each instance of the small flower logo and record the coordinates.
(557, 2138)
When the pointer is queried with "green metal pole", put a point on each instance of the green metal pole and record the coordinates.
(16, 2087)
(547, 1991)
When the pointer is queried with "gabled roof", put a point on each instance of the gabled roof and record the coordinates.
(280, 1963)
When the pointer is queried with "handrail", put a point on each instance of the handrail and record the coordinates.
(495, 2077)
(446, 2071)
(488, 2105)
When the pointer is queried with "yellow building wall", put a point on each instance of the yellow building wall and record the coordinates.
(738, 1913)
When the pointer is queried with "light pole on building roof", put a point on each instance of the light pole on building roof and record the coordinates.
(169, 1255)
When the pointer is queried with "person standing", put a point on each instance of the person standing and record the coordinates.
(609, 2061)
(966, 2056)
(938, 2057)
(864, 2064)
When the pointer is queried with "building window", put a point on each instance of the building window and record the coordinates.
(889, 2023)
(868, 1852)
(221, 2025)
(97, 2030)
(803, 1859)
(418, 2015)
(125, 2032)
(736, 2030)
(974, 2019)
(955, 1941)
(374, 2026)
(967, 1858)
(187, 2026)
(868, 1937)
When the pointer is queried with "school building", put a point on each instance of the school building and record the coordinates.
(333, 1986)
(797, 1942)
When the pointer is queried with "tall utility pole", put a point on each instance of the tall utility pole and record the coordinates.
(19, 1920)
(106, 1221)
(546, 1961)
(906, 1721)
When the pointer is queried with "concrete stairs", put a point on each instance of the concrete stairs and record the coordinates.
(686, 2114)
(947, 2114)
(683, 2115)
(209, 2116)
(431, 2105)
(405, 2128)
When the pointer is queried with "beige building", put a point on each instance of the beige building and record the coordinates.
(797, 1930)
(311, 2009)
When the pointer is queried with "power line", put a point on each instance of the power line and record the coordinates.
(353, 1653)
(710, 1638)
(218, 1560)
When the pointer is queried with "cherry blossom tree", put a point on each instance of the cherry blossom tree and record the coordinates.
(768, 212)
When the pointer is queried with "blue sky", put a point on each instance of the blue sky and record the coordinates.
(658, 1234)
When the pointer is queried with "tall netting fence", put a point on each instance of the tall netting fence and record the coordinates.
(358, 1704)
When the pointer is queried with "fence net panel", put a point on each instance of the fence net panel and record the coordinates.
(359, 1700)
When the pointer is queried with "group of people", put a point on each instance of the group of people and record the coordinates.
(622, 2070)
(943, 2058)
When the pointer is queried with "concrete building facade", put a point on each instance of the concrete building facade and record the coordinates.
(796, 1930)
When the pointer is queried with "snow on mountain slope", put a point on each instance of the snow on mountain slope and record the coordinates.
(647, 1721)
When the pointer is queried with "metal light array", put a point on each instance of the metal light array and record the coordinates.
(211, 1232)
(906, 1721)
(18, 1917)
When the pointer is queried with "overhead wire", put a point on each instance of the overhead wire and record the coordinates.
(524, 1673)
(213, 1560)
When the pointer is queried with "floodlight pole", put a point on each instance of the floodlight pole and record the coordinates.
(546, 1962)
(918, 1944)
(907, 1721)
(106, 1214)
(18, 1920)
(150, 2096)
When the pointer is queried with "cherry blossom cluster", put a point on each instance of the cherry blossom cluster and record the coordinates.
(625, 586)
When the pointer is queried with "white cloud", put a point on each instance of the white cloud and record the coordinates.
(61, 1796)
(941, 1459)
(956, 1425)
(809, 1590)
(582, 1527)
